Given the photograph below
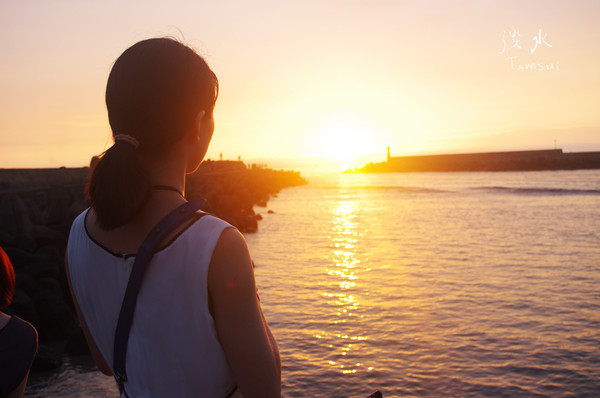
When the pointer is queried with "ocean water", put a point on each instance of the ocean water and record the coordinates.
(423, 284)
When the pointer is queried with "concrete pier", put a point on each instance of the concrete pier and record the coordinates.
(551, 159)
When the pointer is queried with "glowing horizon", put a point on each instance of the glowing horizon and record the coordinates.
(336, 81)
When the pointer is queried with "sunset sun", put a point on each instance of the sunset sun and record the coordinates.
(344, 137)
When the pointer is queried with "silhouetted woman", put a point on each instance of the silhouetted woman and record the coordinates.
(18, 339)
(198, 329)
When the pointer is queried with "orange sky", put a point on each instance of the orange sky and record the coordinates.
(333, 79)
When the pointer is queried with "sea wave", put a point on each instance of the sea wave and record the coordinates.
(538, 190)
(392, 188)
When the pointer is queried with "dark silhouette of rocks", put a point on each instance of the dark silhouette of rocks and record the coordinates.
(47, 358)
(77, 345)
(232, 189)
(38, 206)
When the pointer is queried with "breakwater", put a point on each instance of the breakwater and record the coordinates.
(37, 207)
(552, 159)
(232, 189)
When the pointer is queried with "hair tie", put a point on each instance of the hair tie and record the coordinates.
(127, 138)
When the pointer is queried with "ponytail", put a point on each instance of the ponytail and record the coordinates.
(118, 186)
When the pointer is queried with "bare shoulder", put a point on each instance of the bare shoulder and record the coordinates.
(231, 266)
(231, 238)
(232, 242)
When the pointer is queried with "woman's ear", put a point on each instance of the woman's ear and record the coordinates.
(197, 126)
(199, 138)
(203, 127)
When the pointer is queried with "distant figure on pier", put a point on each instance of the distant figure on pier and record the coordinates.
(18, 339)
(198, 329)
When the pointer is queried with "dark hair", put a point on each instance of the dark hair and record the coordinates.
(154, 92)
(7, 280)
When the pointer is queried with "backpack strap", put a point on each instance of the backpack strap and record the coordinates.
(143, 257)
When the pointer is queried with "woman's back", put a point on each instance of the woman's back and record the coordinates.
(173, 346)
(198, 329)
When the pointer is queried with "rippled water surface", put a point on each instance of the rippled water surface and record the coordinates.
(425, 284)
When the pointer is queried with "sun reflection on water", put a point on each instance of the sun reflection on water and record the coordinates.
(344, 337)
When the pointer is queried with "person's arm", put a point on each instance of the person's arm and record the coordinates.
(272, 341)
(249, 346)
(94, 350)
(20, 390)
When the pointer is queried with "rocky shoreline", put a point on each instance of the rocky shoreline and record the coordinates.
(37, 207)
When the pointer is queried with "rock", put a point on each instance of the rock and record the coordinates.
(26, 241)
(51, 284)
(23, 307)
(41, 200)
(22, 259)
(26, 283)
(247, 223)
(258, 217)
(77, 345)
(35, 214)
(50, 268)
(14, 216)
(46, 236)
(48, 251)
(46, 359)
(55, 318)
(232, 189)
(228, 204)
(7, 239)
(270, 212)
(59, 207)
(76, 209)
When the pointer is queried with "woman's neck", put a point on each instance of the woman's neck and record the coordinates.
(168, 175)
(167, 188)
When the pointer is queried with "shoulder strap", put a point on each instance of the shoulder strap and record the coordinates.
(143, 257)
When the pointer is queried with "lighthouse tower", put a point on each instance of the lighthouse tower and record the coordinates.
(388, 153)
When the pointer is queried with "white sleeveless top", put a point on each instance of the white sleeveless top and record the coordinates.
(173, 348)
